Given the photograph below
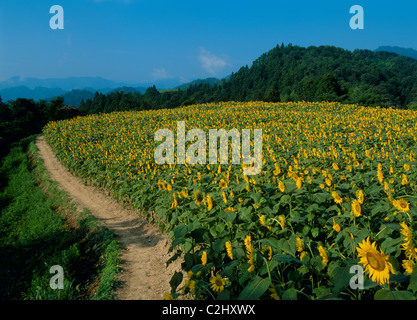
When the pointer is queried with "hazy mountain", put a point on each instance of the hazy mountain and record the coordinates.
(73, 89)
(408, 52)
(65, 84)
(24, 92)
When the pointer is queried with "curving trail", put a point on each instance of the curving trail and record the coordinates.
(144, 274)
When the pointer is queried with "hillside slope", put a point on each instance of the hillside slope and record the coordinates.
(327, 73)
(291, 73)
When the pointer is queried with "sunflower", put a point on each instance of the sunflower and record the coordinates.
(274, 295)
(299, 183)
(408, 246)
(222, 184)
(198, 197)
(217, 283)
(224, 197)
(248, 243)
(336, 226)
(175, 202)
(281, 221)
(204, 259)
(323, 254)
(375, 262)
(356, 208)
(405, 180)
(335, 166)
(401, 205)
(380, 176)
(299, 245)
(360, 196)
(249, 254)
(209, 202)
(407, 167)
(408, 266)
(302, 254)
(281, 186)
(262, 222)
(229, 250)
(336, 197)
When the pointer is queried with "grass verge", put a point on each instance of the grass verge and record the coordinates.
(40, 227)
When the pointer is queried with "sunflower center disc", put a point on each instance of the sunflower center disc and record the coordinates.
(376, 261)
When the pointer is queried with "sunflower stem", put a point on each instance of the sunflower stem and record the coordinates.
(267, 268)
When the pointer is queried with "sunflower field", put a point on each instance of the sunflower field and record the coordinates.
(337, 190)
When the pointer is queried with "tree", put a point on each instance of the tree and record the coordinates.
(272, 94)
(328, 88)
(309, 89)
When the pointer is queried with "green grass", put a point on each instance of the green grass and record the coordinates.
(40, 227)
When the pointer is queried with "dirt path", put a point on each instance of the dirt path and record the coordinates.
(144, 274)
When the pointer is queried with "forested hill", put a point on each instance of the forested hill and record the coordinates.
(292, 73)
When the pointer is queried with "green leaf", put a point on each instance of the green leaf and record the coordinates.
(413, 281)
(285, 199)
(384, 294)
(219, 245)
(224, 295)
(321, 197)
(289, 245)
(175, 281)
(390, 245)
(315, 232)
(340, 277)
(255, 289)
(290, 294)
(285, 258)
(228, 216)
(180, 230)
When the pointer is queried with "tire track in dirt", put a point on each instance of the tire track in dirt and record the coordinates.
(144, 274)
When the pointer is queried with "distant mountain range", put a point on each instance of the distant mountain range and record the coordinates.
(408, 52)
(75, 89)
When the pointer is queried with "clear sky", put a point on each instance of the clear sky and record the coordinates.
(144, 41)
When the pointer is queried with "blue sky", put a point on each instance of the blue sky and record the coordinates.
(145, 41)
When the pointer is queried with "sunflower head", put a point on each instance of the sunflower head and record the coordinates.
(356, 208)
(222, 184)
(375, 262)
(401, 205)
(323, 254)
(336, 226)
(337, 197)
(360, 196)
(281, 186)
(204, 258)
(217, 283)
(209, 202)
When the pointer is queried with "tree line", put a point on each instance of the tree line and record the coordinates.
(290, 73)
(23, 117)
